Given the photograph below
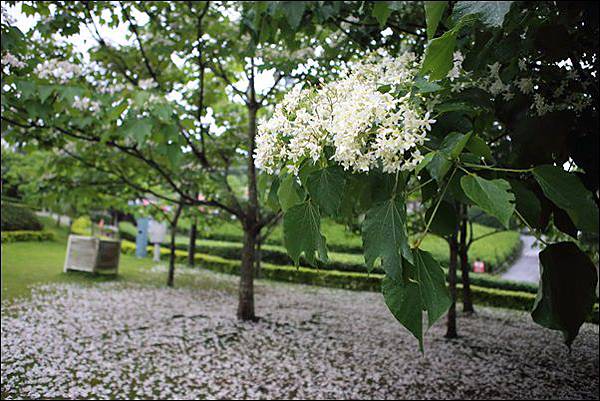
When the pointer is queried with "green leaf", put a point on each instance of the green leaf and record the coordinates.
(528, 205)
(438, 56)
(138, 129)
(381, 12)
(490, 13)
(433, 14)
(451, 147)
(188, 124)
(435, 298)
(445, 221)
(294, 10)
(426, 160)
(384, 236)
(163, 112)
(492, 196)
(478, 146)
(567, 289)
(302, 233)
(289, 192)
(140, 98)
(26, 88)
(173, 151)
(403, 300)
(68, 93)
(272, 198)
(326, 187)
(424, 86)
(569, 194)
(45, 91)
(116, 111)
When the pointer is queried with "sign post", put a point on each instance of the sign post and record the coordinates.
(141, 239)
(158, 233)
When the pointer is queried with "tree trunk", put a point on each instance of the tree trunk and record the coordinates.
(171, 275)
(192, 244)
(246, 293)
(464, 264)
(257, 256)
(57, 220)
(250, 222)
(451, 327)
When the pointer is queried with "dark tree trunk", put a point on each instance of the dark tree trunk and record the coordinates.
(57, 220)
(257, 257)
(464, 264)
(250, 223)
(171, 275)
(246, 293)
(451, 327)
(192, 244)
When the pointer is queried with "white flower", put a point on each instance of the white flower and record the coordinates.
(455, 72)
(494, 69)
(60, 70)
(572, 75)
(12, 61)
(525, 85)
(540, 105)
(508, 96)
(6, 17)
(365, 127)
(86, 104)
(147, 83)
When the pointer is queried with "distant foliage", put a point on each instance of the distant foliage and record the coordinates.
(17, 217)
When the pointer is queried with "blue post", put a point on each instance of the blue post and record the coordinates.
(141, 239)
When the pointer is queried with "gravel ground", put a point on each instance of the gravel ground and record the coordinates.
(122, 341)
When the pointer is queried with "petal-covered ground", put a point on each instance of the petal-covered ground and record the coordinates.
(119, 340)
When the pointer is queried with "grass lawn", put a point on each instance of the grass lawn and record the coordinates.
(28, 263)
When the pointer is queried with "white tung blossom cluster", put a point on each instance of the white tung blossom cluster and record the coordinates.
(146, 84)
(13, 61)
(543, 101)
(59, 70)
(86, 104)
(368, 118)
(6, 18)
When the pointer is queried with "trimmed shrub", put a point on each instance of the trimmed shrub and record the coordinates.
(127, 231)
(19, 218)
(337, 261)
(21, 236)
(82, 226)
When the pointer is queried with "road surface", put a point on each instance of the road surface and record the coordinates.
(526, 267)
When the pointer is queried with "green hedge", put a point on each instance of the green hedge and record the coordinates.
(497, 250)
(518, 300)
(20, 236)
(277, 255)
(19, 218)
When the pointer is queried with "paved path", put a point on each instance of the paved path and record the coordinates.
(526, 268)
(64, 220)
